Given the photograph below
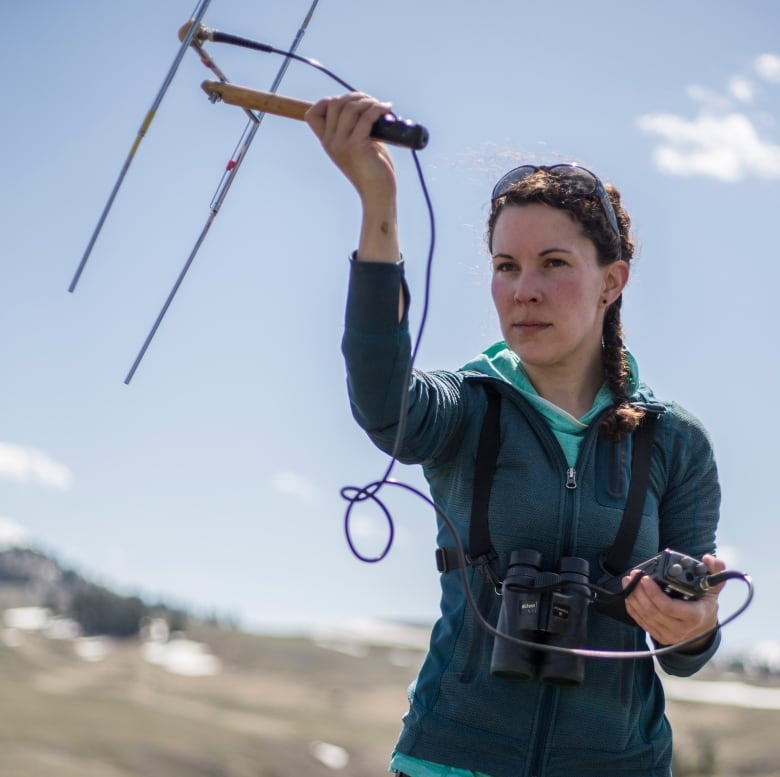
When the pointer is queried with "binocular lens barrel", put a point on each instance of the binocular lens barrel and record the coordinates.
(544, 608)
(518, 617)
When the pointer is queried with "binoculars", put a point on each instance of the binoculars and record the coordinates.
(546, 608)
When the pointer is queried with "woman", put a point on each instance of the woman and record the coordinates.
(570, 400)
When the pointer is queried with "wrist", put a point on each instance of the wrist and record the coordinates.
(379, 235)
(703, 643)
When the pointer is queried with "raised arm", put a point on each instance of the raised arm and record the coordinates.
(376, 342)
(343, 125)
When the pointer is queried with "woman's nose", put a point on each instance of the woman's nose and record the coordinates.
(526, 289)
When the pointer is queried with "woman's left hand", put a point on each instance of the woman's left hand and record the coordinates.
(668, 620)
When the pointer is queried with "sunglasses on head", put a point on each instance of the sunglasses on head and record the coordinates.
(571, 179)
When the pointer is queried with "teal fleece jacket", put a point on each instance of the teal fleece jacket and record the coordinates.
(460, 715)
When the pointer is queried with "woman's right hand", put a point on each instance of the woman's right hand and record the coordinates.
(343, 125)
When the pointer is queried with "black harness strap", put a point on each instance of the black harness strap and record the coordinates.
(480, 545)
(615, 561)
(481, 552)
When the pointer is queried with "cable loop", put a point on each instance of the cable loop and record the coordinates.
(355, 496)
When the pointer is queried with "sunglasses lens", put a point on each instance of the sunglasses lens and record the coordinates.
(574, 180)
(579, 180)
(507, 181)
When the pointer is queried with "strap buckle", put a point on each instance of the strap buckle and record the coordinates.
(487, 561)
(448, 559)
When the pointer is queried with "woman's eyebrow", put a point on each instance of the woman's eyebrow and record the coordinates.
(555, 251)
(502, 255)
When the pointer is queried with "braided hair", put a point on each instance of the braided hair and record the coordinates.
(541, 187)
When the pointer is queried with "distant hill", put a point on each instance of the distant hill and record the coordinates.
(216, 702)
(31, 578)
(277, 707)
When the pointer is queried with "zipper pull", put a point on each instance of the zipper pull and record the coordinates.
(571, 478)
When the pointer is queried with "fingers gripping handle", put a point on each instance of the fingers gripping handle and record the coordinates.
(390, 128)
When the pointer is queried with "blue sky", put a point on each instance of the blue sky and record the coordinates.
(213, 478)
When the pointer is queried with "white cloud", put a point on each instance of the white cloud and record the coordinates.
(742, 89)
(768, 67)
(724, 147)
(12, 534)
(709, 100)
(30, 464)
(297, 485)
(368, 528)
(720, 141)
(370, 532)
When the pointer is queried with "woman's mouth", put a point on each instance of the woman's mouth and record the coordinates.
(530, 327)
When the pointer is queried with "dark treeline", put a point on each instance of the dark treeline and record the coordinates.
(28, 577)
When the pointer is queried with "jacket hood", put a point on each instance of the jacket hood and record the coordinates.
(502, 363)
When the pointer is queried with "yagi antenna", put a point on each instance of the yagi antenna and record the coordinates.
(197, 15)
(192, 31)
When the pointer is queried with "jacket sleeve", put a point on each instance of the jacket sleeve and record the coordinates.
(377, 351)
(689, 510)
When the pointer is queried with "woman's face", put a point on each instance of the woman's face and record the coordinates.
(549, 290)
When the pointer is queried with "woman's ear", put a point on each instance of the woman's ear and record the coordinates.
(615, 280)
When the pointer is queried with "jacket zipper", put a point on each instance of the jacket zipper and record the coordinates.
(539, 743)
(536, 751)
(537, 748)
(585, 452)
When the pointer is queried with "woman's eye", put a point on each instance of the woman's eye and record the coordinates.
(553, 262)
(505, 267)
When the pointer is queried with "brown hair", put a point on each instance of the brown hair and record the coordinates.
(587, 211)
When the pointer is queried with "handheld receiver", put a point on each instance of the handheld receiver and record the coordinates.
(680, 576)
